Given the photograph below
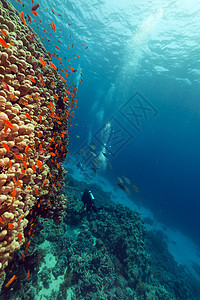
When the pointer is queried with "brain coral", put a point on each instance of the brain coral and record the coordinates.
(33, 134)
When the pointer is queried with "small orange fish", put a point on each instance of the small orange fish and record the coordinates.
(45, 182)
(20, 218)
(53, 26)
(32, 79)
(26, 149)
(17, 182)
(28, 116)
(57, 165)
(10, 163)
(42, 61)
(22, 17)
(11, 280)
(1, 220)
(34, 12)
(37, 192)
(29, 18)
(6, 129)
(39, 134)
(53, 154)
(50, 108)
(4, 32)
(14, 193)
(28, 274)
(22, 256)
(12, 96)
(72, 69)
(34, 7)
(40, 148)
(26, 248)
(57, 47)
(3, 43)
(18, 156)
(40, 118)
(20, 236)
(39, 164)
(5, 85)
(67, 92)
(53, 66)
(33, 168)
(6, 147)
(10, 225)
(53, 11)
(25, 164)
(52, 104)
(23, 171)
(62, 78)
(56, 97)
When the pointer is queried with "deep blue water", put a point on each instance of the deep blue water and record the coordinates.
(150, 50)
(163, 159)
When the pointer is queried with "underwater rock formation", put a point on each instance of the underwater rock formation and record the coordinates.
(29, 131)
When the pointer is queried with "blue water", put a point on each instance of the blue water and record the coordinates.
(138, 53)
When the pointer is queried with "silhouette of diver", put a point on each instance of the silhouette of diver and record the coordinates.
(80, 166)
(88, 200)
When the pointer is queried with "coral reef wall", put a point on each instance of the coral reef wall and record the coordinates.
(33, 134)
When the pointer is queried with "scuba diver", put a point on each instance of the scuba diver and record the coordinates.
(88, 200)
(80, 166)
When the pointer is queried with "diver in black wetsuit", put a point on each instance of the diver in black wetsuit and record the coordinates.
(88, 200)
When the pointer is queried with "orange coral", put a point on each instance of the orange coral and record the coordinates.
(24, 113)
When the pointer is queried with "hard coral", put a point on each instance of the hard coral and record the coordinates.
(26, 132)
